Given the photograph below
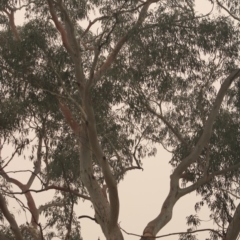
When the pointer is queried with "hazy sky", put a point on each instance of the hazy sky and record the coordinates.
(141, 193)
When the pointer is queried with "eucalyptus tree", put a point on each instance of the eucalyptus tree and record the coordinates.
(91, 104)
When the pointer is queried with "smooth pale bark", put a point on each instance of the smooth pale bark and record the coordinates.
(100, 203)
(234, 226)
(113, 229)
(165, 215)
(175, 192)
(103, 162)
(105, 213)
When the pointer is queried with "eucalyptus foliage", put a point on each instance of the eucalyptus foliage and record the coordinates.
(151, 72)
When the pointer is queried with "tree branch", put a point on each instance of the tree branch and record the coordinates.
(28, 195)
(127, 169)
(74, 47)
(69, 117)
(91, 23)
(175, 192)
(13, 154)
(10, 218)
(110, 181)
(91, 123)
(85, 216)
(168, 124)
(100, 203)
(38, 162)
(69, 26)
(206, 179)
(207, 131)
(233, 228)
(12, 24)
(232, 15)
(171, 234)
(59, 188)
(69, 227)
(60, 28)
(64, 189)
(228, 192)
(112, 56)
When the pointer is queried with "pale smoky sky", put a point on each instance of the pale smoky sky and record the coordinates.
(141, 193)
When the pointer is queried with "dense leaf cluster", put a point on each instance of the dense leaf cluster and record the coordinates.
(168, 71)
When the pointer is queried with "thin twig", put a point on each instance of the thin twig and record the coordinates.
(171, 234)
(232, 15)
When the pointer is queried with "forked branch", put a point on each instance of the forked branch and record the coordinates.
(112, 56)
(175, 192)
(207, 131)
(59, 27)
(168, 124)
(28, 195)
